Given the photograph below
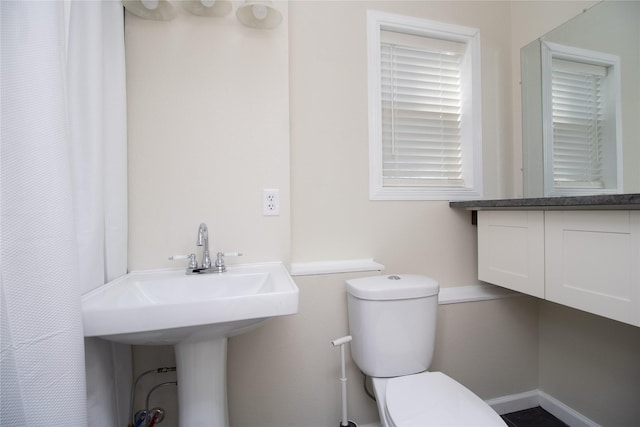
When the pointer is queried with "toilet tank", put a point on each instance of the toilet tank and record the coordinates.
(392, 320)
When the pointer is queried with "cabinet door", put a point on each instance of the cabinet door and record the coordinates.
(511, 250)
(593, 262)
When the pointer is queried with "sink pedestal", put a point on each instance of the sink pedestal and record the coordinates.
(201, 368)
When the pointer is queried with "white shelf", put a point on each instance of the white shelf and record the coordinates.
(334, 267)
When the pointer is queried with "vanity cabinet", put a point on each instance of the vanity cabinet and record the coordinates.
(511, 250)
(592, 262)
(588, 260)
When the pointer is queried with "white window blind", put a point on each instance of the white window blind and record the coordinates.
(425, 128)
(421, 101)
(578, 119)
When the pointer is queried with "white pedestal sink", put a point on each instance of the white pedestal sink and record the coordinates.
(196, 314)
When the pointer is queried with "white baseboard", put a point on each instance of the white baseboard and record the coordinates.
(533, 398)
(515, 402)
(564, 413)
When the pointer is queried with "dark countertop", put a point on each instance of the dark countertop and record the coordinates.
(601, 202)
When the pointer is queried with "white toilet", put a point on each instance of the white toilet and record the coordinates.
(392, 320)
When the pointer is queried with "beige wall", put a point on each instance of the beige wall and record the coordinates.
(217, 112)
(591, 364)
(332, 216)
(208, 113)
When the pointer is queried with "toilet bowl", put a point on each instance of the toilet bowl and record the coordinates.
(392, 320)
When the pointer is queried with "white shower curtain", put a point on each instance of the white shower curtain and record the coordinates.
(63, 210)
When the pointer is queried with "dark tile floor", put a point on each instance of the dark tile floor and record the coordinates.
(534, 417)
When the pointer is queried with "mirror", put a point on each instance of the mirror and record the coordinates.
(611, 28)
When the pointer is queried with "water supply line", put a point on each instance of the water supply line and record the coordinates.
(158, 415)
(164, 370)
(343, 380)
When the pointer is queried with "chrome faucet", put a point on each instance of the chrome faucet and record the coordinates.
(203, 240)
(206, 265)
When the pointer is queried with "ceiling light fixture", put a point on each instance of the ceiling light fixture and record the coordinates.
(212, 8)
(259, 14)
(160, 10)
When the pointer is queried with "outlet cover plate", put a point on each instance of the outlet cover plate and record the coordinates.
(271, 202)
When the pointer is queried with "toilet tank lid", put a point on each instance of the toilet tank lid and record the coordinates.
(390, 287)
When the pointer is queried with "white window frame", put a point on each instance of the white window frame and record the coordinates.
(613, 180)
(472, 132)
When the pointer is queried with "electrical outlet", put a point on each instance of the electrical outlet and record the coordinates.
(270, 202)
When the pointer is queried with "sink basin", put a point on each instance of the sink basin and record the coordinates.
(169, 307)
(196, 314)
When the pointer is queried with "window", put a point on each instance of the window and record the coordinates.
(582, 144)
(424, 110)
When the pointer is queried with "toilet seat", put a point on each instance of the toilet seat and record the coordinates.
(434, 399)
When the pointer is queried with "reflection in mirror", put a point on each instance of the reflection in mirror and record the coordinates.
(601, 46)
(581, 132)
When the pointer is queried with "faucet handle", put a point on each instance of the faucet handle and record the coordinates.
(191, 257)
(219, 264)
(230, 253)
